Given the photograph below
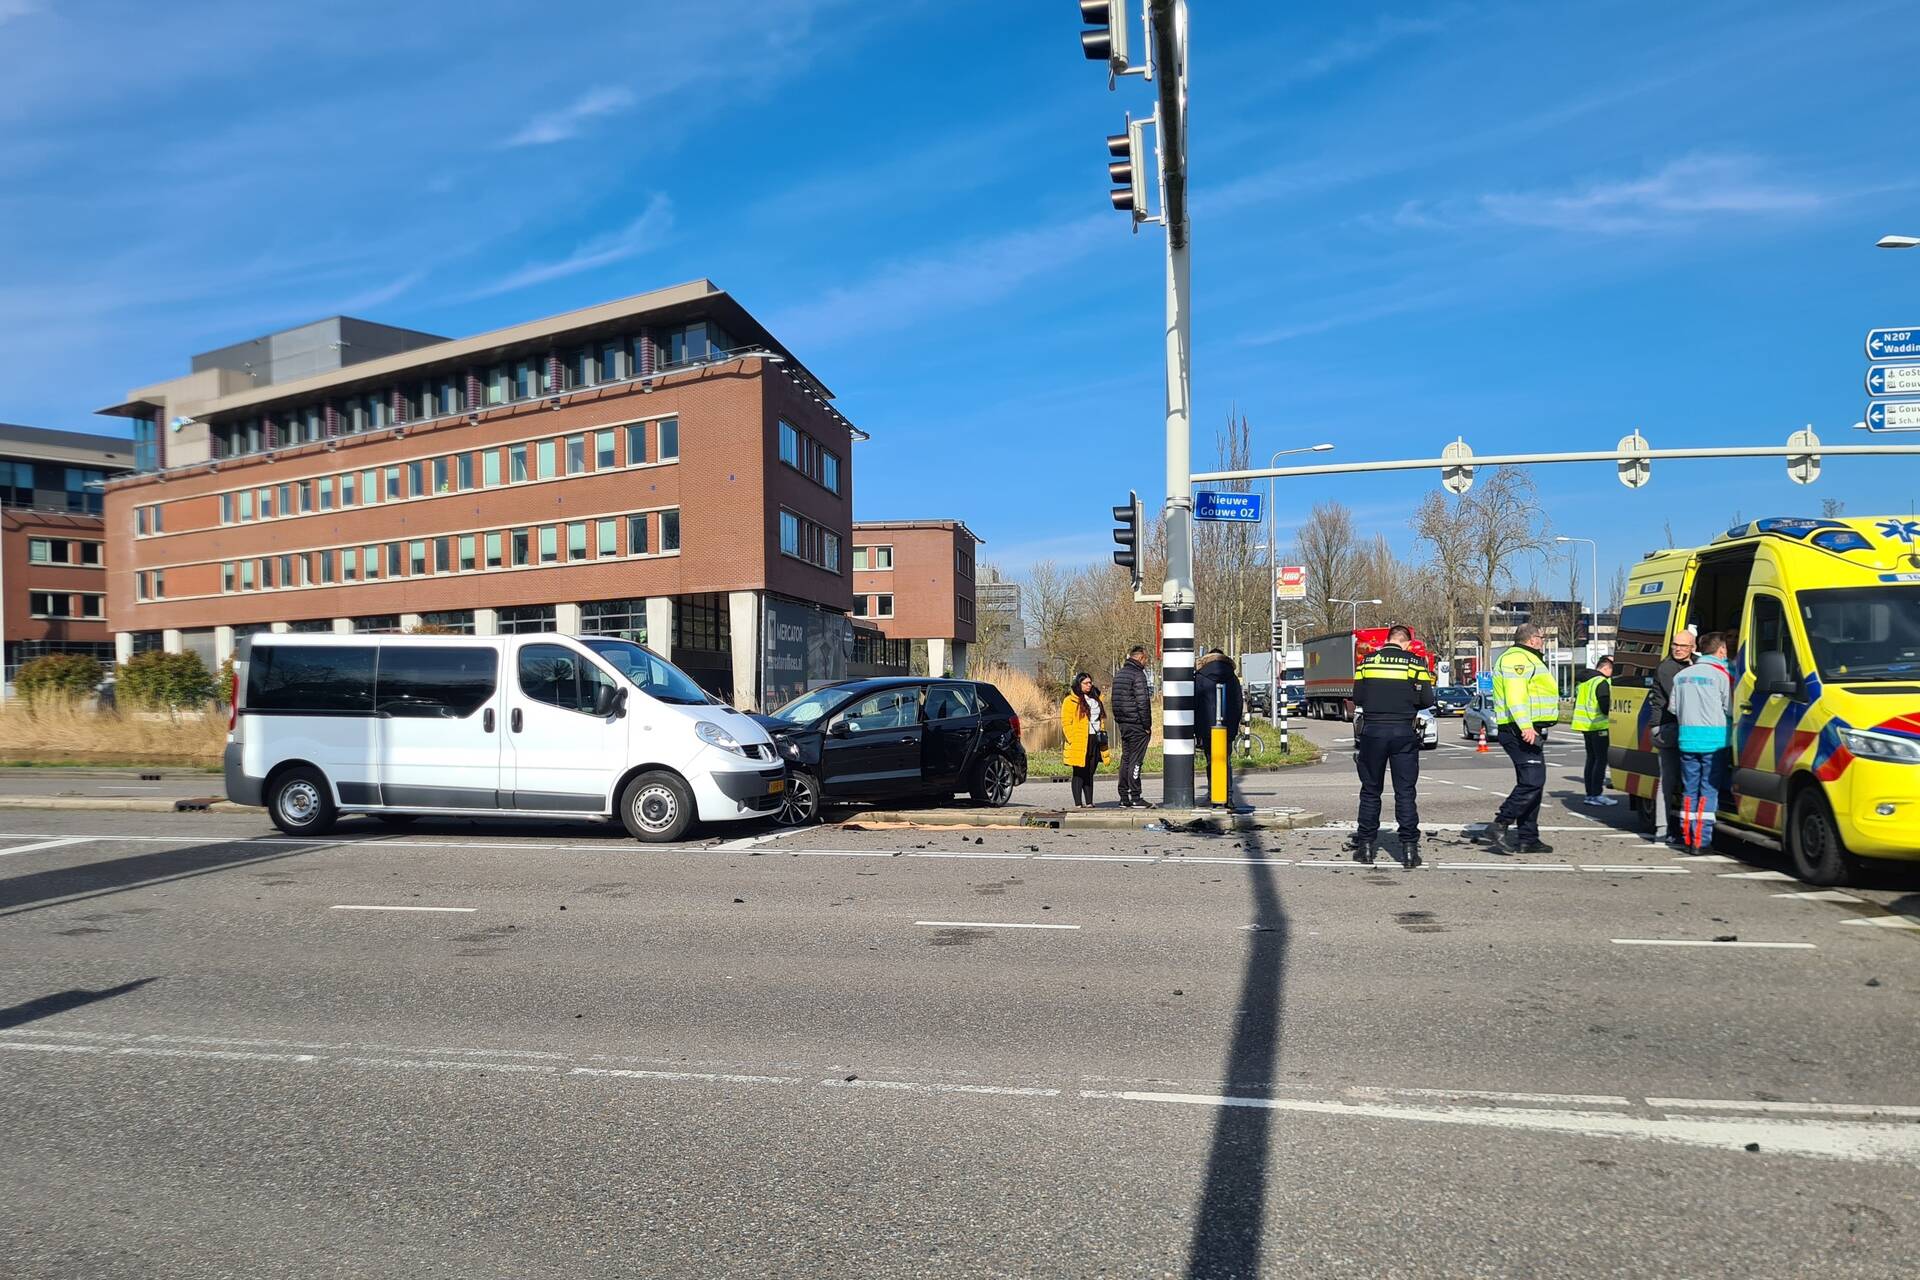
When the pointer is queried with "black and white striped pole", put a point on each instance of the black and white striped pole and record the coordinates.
(1176, 692)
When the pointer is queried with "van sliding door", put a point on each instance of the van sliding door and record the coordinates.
(437, 707)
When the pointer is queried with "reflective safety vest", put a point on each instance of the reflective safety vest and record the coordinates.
(1524, 692)
(1586, 706)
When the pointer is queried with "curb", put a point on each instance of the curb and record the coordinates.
(1176, 821)
(950, 818)
(116, 804)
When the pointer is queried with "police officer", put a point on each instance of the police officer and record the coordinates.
(1526, 703)
(1592, 703)
(1389, 689)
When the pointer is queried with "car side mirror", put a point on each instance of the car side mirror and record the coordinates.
(1771, 676)
(605, 699)
(620, 702)
(838, 729)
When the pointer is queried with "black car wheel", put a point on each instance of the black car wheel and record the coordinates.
(1813, 841)
(800, 802)
(993, 781)
(299, 803)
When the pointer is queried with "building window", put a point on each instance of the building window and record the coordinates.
(458, 621)
(226, 508)
(325, 489)
(377, 624)
(463, 470)
(349, 565)
(625, 619)
(369, 563)
(92, 606)
(669, 440)
(806, 455)
(493, 551)
(416, 558)
(369, 487)
(246, 575)
(466, 553)
(417, 479)
(395, 560)
(549, 544)
(637, 535)
(608, 535)
(804, 540)
(669, 531)
(443, 555)
(40, 551)
(524, 618)
(326, 567)
(46, 604)
(789, 444)
(490, 468)
(146, 445)
(159, 584)
(140, 520)
(519, 540)
(286, 571)
(700, 623)
(636, 444)
(441, 483)
(576, 542)
(878, 606)
(226, 578)
(545, 454)
(348, 488)
(603, 451)
(576, 455)
(393, 484)
(872, 558)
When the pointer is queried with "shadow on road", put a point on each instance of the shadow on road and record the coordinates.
(61, 1001)
(1227, 1229)
(39, 889)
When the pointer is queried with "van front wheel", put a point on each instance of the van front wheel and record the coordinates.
(300, 804)
(656, 807)
(1813, 841)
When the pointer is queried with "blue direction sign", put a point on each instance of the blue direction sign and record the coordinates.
(1893, 344)
(1209, 504)
(1893, 379)
(1485, 681)
(1893, 415)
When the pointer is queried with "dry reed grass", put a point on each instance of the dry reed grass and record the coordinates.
(1030, 701)
(54, 729)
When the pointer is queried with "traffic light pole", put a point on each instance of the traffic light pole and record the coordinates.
(1169, 23)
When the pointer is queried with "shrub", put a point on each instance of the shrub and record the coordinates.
(431, 629)
(170, 681)
(58, 675)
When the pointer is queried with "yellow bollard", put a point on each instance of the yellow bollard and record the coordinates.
(1217, 765)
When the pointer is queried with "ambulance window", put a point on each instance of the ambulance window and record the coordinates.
(1770, 633)
(1641, 643)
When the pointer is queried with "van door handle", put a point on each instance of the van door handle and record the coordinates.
(486, 721)
(516, 720)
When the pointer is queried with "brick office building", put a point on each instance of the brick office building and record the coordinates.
(53, 578)
(659, 468)
(913, 580)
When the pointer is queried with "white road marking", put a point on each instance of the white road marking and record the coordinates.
(989, 924)
(1701, 942)
(1652, 871)
(130, 788)
(1504, 866)
(1783, 1108)
(1094, 857)
(1568, 1099)
(55, 1048)
(1756, 875)
(1820, 895)
(45, 844)
(1004, 857)
(839, 853)
(1469, 786)
(454, 909)
(914, 1086)
(1833, 1139)
(216, 1055)
(429, 1064)
(748, 842)
(1703, 857)
(721, 1077)
(1887, 922)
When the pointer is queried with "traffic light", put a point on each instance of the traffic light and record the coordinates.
(1128, 169)
(1128, 536)
(1107, 42)
(1279, 636)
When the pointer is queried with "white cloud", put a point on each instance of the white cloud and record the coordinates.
(1681, 195)
(11, 9)
(642, 234)
(558, 126)
(1362, 43)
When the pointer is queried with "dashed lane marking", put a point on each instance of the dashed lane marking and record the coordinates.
(1887, 922)
(1701, 942)
(1756, 875)
(988, 924)
(359, 908)
(1820, 895)
(60, 843)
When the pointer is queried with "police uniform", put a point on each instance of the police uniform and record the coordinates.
(1592, 703)
(1525, 696)
(1390, 688)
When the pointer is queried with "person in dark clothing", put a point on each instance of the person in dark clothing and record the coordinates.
(1133, 718)
(1666, 734)
(1390, 689)
(1216, 689)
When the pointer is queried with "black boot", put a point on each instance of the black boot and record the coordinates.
(1365, 851)
(1410, 855)
(1535, 845)
(1494, 834)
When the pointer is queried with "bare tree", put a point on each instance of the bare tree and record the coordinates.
(1048, 602)
(1324, 547)
(1448, 528)
(1230, 566)
(1507, 524)
(1617, 591)
(1832, 508)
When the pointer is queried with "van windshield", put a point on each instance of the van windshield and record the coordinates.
(652, 674)
(1864, 633)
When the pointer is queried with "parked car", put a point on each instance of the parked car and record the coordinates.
(895, 738)
(536, 724)
(1477, 716)
(1452, 699)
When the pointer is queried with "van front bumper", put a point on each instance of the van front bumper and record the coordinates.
(1871, 787)
(241, 789)
(726, 794)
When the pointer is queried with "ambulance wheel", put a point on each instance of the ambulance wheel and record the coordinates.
(1813, 841)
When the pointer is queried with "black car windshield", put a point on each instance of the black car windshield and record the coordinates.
(809, 707)
(652, 674)
(1454, 695)
(1864, 633)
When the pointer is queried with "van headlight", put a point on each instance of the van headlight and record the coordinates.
(1879, 746)
(714, 735)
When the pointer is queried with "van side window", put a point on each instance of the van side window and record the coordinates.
(313, 680)
(1771, 634)
(1641, 643)
(432, 681)
(559, 677)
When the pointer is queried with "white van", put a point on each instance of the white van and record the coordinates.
(532, 725)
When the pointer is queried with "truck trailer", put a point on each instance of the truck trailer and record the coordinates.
(1331, 662)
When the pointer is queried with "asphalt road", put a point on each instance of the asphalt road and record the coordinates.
(519, 1050)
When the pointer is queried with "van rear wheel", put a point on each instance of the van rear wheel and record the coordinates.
(300, 803)
(1813, 841)
(656, 807)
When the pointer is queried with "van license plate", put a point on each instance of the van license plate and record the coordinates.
(775, 788)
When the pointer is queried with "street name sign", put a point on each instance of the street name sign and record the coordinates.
(1237, 508)
(1893, 379)
(1893, 344)
(1893, 415)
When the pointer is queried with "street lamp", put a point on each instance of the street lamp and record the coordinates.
(1897, 242)
(1356, 608)
(1273, 596)
(1594, 626)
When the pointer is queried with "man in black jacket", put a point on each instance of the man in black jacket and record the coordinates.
(1132, 702)
(1390, 689)
(1217, 684)
(1666, 733)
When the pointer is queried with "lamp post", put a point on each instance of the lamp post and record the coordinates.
(1897, 242)
(1273, 597)
(1356, 608)
(1593, 626)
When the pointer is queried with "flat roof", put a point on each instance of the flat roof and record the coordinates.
(695, 299)
(42, 444)
(961, 525)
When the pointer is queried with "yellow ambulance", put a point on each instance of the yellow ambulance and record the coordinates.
(1824, 617)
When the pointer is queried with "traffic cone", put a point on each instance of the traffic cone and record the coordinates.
(1482, 748)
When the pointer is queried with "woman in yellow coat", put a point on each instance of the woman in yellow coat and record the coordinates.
(1083, 729)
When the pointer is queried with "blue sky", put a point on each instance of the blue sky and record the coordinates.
(1536, 225)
